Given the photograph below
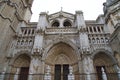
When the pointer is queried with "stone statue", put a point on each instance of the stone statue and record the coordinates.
(48, 70)
(71, 69)
(104, 76)
(104, 8)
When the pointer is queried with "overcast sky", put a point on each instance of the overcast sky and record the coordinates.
(91, 8)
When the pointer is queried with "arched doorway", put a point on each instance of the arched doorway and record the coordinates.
(20, 68)
(59, 57)
(105, 63)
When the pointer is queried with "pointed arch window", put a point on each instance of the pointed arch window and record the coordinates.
(67, 24)
(55, 24)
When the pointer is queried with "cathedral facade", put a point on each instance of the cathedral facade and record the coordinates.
(60, 46)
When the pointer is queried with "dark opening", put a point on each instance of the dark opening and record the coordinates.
(95, 29)
(65, 72)
(90, 29)
(57, 72)
(61, 72)
(55, 24)
(67, 24)
(99, 72)
(24, 73)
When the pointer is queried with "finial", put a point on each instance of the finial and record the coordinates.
(61, 8)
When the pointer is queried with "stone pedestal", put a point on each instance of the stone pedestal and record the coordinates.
(47, 74)
(71, 77)
(47, 77)
(2, 76)
(88, 76)
(104, 76)
(30, 77)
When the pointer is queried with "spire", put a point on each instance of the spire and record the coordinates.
(61, 8)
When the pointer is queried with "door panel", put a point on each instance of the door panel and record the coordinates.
(24, 73)
(57, 72)
(65, 72)
(61, 72)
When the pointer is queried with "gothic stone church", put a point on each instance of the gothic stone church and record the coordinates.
(60, 46)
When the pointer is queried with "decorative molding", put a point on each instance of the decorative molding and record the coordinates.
(61, 30)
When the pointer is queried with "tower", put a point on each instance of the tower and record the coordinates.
(13, 14)
(112, 22)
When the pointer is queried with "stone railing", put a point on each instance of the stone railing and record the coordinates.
(28, 31)
(99, 46)
(61, 30)
(24, 47)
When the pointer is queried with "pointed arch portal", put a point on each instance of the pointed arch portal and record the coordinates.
(105, 61)
(20, 66)
(60, 56)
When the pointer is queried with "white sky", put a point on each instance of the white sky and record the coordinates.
(91, 8)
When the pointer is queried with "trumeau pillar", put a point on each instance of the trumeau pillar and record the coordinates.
(36, 67)
(88, 67)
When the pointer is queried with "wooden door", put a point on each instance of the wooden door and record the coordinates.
(65, 72)
(24, 73)
(57, 72)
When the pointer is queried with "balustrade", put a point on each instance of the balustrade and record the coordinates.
(61, 30)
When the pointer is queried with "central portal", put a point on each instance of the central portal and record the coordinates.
(61, 72)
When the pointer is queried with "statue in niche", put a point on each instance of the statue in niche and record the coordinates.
(48, 70)
(105, 7)
(71, 69)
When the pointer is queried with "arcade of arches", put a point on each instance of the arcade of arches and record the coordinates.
(59, 57)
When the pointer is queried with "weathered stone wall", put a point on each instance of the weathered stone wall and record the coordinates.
(11, 14)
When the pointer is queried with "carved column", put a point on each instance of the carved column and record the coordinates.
(93, 29)
(97, 29)
(34, 68)
(36, 65)
(71, 75)
(16, 74)
(101, 29)
(88, 29)
(47, 74)
(88, 67)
